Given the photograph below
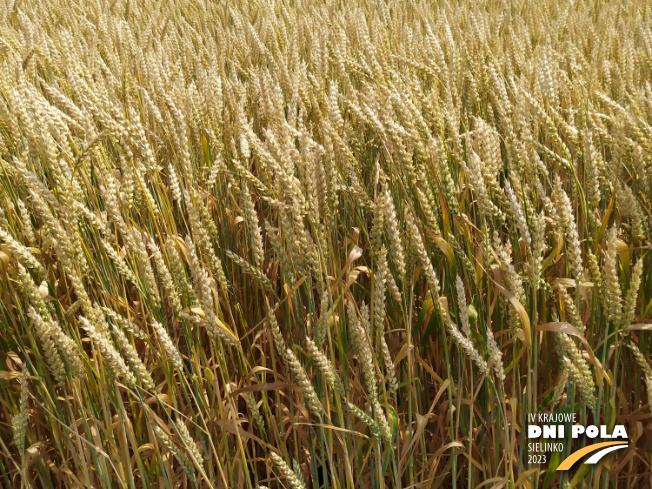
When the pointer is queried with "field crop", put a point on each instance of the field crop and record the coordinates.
(322, 244)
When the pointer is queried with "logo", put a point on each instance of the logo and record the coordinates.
(602, 449)
(553, 432)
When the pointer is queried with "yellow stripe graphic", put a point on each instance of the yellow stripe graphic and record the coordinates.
(575, 456)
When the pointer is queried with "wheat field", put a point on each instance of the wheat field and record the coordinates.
(322, 244)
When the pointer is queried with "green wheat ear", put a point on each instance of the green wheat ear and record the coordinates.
(473, 314)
